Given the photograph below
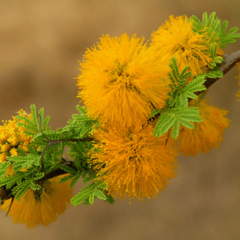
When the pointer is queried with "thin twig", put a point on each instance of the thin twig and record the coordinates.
(228, 63)
(10, 206)
(40, 126)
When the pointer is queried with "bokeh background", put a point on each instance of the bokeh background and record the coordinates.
(40, 45)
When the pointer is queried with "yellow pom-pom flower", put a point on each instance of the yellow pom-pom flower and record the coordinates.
(33, 211)
(13, 137)
(206, 134)
(132, 161)
(177, 38)
(121, 80)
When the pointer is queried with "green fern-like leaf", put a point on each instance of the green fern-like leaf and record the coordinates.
(82, 195)
(66, 178)
(211, 19)
(181, 90)
(34, 114)
(30, 130)
(216, 30)
(3, 168)
(41, 113)
(99, 194)
(77, 164)
(110, 199)
(91, 198)
(173, 117)
(34, 186)
(20, 192)
(213, 50)
(88, 193)
(68, 169)
(21, 189)
(22, 162)
(215, 73)
(75, 180)
(10, 181)
(81, 118)
(86, 131)
(38, 176)
(87, 179)
(205, 19)
(26, 121)
(196, 85)
(45, 123)
(81, 110)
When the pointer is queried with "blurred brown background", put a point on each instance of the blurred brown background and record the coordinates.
(40, 44)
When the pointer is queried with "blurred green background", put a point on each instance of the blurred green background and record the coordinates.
(40, 44)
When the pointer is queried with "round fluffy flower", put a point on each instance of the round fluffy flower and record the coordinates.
(177, 38)
(33, 211)
(121, 80)
(132, 161)
(206, 134)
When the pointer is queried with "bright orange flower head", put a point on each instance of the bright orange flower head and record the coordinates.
(177, 38)
(133, 162)
(32, 212)
(206, 134)
(121, 80)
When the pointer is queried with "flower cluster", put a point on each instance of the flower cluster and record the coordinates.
(33, 208)
(13, 137)
(143, 107)
(122, 80)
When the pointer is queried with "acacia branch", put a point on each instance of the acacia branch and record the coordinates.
(229, 61)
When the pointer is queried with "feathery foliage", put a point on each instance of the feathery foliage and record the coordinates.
(216, 29)
(173, 117)
(177, 110)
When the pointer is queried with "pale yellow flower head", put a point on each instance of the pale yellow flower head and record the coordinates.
(132, 161)
(121, 80)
